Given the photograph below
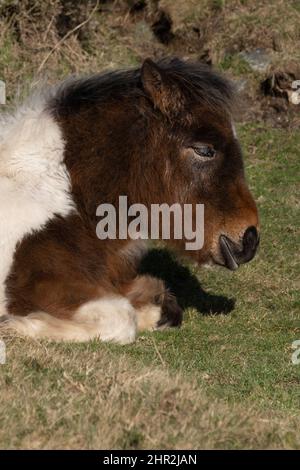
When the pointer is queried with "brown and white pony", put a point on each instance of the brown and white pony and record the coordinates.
(162, 133)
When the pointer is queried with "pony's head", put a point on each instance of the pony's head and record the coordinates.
(199, 158)
(164, 134)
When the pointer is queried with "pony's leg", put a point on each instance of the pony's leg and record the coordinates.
(156, 307)
(108, 319)
(112, 319)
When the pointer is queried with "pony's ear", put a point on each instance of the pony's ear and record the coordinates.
(163, 93)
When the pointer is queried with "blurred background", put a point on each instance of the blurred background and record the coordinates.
(256, 42)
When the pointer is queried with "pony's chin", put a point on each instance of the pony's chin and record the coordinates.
(214, 261)
(203, 261)
(220, 263)
(208, 264)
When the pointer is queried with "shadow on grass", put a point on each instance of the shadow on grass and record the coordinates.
(185, 285)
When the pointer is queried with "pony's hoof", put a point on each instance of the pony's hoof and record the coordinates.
(171, 313)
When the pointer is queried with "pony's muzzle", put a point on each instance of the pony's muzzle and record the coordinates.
(234, 253)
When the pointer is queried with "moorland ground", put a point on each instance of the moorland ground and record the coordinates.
(226, 378)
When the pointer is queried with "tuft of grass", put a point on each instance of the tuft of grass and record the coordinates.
(91, 396)
(235, 63)
(217, 4)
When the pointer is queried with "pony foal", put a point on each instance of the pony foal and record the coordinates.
(161, 133)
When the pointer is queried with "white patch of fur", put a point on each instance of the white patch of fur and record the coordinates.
(109, 319)
(148, 317)
(40, 325)
(113, 319)
(34, 183)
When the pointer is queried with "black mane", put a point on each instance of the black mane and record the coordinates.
(196, 80)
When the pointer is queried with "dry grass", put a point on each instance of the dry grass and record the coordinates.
(58, 396)
(56, 38)
(224, 381)
(227, 27)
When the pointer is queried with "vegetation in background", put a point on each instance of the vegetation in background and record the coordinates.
(225, 379)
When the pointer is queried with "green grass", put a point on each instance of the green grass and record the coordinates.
(234, 63)
(246, 354)
(224, 380)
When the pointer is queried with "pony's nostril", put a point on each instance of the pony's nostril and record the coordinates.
(250, 238)
(234, 254)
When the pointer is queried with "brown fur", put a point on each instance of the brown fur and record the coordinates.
(135, 140)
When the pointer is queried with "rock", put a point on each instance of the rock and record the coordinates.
(2, 92)
(282, 84)
(294, 96)
(257, 59)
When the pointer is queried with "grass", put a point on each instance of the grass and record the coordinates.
(225, 379)
(246, 353)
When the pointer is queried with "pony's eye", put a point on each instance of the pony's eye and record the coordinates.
(204, 151)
